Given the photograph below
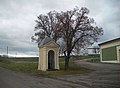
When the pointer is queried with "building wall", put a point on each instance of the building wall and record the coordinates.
(93, 51)
(117, 43)
(118, 53)
(43, 56)
(42, 59)
(109, 52)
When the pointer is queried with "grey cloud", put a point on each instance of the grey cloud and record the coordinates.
(61, 5)
(16, 28)
(17, 46)
(17, 20)
(106, 13)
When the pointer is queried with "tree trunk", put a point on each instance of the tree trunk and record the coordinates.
(67, 62)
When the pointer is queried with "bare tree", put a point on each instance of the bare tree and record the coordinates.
(77, 28)
(47, 25)
(74, 27)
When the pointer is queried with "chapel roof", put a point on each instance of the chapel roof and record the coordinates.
(45, 41)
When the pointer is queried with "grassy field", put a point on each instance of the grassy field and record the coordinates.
(29, 65)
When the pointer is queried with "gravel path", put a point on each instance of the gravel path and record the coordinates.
(103, 75)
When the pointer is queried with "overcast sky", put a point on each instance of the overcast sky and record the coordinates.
(17, 20)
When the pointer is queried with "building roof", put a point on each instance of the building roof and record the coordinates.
(45, 41)
(113, 40)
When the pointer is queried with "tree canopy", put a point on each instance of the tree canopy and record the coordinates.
(74, 28)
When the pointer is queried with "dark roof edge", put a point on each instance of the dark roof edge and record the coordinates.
(45, 41)
(110, 41)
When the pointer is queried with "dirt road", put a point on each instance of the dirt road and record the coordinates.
(11, 79)
(101, 76)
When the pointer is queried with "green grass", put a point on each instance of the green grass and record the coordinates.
(25, 59)
(31, 68)
(23, 67)
(94, 56)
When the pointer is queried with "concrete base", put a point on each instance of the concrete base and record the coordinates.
(111, 61)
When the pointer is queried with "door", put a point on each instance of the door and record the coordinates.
(51, 55)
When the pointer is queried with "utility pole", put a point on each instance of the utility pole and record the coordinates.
(7, 51)
(16, 55)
